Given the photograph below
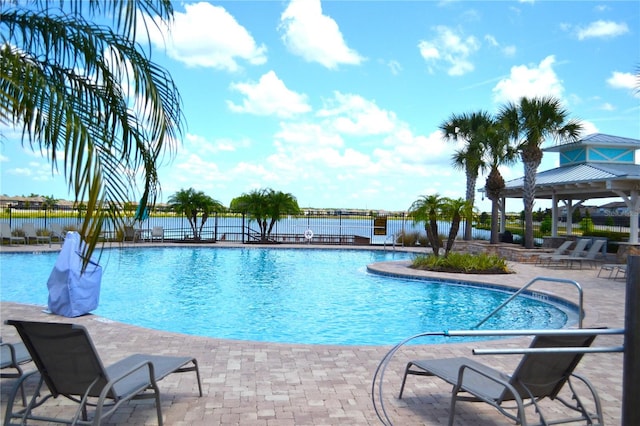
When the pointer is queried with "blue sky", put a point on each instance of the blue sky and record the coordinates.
(339, 102)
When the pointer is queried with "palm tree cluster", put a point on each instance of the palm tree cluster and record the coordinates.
(430, 208)
(88, 96)
(192, 203)
(518, 130)
(266, 207)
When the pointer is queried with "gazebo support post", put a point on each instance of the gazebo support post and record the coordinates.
(554, 215)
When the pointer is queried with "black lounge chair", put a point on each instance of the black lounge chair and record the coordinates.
(539, 375)
(12, 357)
(70, 366)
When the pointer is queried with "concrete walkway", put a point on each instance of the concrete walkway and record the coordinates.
(251, 383)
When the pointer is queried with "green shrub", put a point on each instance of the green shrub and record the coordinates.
(586, 225)
(545, 226)
(463, 263)
(410, 239)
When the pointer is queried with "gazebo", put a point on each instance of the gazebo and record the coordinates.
(596, 166)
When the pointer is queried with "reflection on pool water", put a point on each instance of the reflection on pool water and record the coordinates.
(277, 295)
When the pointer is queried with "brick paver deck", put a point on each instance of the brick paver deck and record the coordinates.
(251, 383)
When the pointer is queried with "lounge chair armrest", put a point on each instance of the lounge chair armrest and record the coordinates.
(15, 360)
(12, 351)
(478, 392)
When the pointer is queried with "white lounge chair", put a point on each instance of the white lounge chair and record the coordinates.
(157, 233)
(578, 250)
(590, 256)
(560, 251)
(57, 231)
(6, 234)
(30, 233)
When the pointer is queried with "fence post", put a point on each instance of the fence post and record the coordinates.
(243, 229)
(215, 227)
(631, 369)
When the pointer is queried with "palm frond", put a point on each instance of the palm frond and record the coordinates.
(90, 97)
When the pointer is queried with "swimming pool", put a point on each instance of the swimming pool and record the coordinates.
(314, 296)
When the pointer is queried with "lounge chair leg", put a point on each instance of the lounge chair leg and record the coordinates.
(407, 371)
(452, 408)
(156, 392)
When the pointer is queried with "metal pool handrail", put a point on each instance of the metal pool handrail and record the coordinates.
(529, 284)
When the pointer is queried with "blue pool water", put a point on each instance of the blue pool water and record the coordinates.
(276, 295)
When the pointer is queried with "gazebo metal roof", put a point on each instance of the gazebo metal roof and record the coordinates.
(585, 180)
(593, 180)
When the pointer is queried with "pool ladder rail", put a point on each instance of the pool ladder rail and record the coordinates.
(529, 284)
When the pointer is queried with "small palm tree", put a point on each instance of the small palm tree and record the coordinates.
(426, 209)
(529, 122)
(468, 127)
(454, 210)
(191, 203)
(266, 207)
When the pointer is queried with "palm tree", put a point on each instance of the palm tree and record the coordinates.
(280, 204)
(498, 152)
(468, 127)
(454, 210)
(266, 207)
(529, 122)
(426, 209)
(89, 97)
(191, 203)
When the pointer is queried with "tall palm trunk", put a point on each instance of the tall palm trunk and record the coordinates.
(470, 197)
(432, 236)
(453, 232)
(493, 187)
(531, 158)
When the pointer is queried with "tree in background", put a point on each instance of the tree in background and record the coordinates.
(266, 207)
(470, 129)
(88, 96)
(192, 203)
(529, 122)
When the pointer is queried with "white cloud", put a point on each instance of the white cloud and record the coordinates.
(451, 48)
(529, 81)
(588, 128)
(354, 115)
(509, 50)
(208, 36)
(309, 134)
(602, 29)
(622, 80)
(200, 144)
(395, 67)
(315, 37)
(269, 96)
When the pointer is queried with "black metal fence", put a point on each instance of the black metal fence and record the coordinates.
(317, 227)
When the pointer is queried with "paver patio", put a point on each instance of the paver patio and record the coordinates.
(253, 383)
